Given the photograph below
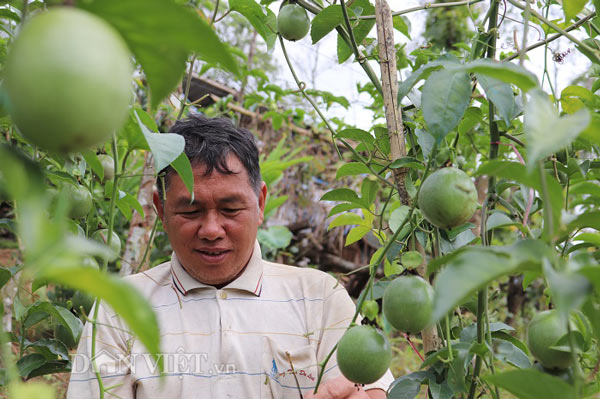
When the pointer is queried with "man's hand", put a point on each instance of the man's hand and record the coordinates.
(342, 388)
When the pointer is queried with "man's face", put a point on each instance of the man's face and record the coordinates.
(213, 237)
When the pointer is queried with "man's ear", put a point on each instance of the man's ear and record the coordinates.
(159, 206)
(262, 199)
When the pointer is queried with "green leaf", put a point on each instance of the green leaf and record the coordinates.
(339, 208)
(473, 268)
(502, 96)
(351, 169)
(546, 132)
(346, 219)
(359, 7)
(505, 71)
(356, 234)
(274, 203)
(587, 219)
(165, 147)
(60, 314)
(398, 216)
(275, 237)
(517, 172)
(498, 219)
(357, 135)
(92, 159)
(407, 162)
(402, 25)
(341, 194)
(5, 275)
(572, 8)
(471, 118)
(325, 21)
(264, 23)
(594, 44)
(50, 349)
(532, 384)
(126, 301)
(30, 362)
(569, 290)
(446, 95)
(161, 34)
(368, 191)
(183, 167)
(592, 310)
(423, 73)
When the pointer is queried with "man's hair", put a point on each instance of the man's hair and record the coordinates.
(209, 142)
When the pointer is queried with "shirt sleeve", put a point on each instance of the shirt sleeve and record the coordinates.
(338, 310)
(112, 357)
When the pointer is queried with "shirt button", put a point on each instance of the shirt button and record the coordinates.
(223, 295)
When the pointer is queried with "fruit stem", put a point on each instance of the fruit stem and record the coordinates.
(448, 339)
(414, 348)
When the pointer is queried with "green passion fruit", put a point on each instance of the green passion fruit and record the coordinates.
(68, 77)
(115, 242)
(544, 331)
(408, 304)
(363, 354)
(448, 198)
(293, 22)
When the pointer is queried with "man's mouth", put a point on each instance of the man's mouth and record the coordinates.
(213, 254)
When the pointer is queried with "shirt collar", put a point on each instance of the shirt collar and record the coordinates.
(250, 280)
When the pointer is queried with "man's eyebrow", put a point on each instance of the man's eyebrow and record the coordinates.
(185, 201)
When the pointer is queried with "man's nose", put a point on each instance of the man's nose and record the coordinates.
(211, 227)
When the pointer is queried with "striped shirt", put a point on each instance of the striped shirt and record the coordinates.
(240, 341)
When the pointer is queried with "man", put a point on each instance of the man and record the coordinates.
(232, 325)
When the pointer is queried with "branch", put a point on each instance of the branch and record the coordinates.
(425, 7)
(563, 32)
(553, 37)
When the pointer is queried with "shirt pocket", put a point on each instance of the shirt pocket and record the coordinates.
(280, 381)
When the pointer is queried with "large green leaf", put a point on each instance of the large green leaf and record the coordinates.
(165, 147)
(504, 71)
(60, 314)
(263, 20)
(569, 290)
(502, 96)
(471, 269)
(423, 73)
(518, 172)
(532, 384)
(446, 95)
(161, 34)
(358, 7)
(326, 21)
(572, 8)
(546, 131)
(126, 301)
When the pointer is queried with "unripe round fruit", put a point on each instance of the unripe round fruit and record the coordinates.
(115, 243)
(108, 165)
(408, 304)
(293, 22)
(80, 200)
(363, 354)
(68, 78)
(544, 330)
(448, 198)
(81, 299)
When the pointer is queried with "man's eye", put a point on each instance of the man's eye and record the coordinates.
(195, 211)
(230, 210)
